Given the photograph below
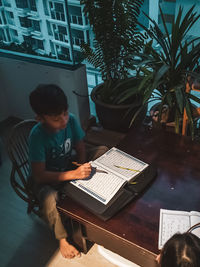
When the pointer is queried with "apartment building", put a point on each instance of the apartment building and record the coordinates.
(57, 27)
(170, 10)
(54, 28)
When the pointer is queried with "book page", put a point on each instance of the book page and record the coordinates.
(194, 219)
(101, 186)
(171, 222)
(115, 158)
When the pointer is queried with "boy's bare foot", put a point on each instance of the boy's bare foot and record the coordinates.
(67, 250)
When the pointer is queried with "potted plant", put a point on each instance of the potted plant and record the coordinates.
(116, 39)
(167, 68)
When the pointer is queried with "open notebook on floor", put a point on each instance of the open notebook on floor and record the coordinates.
(121, 179)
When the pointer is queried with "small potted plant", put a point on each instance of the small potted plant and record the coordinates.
(116, 40)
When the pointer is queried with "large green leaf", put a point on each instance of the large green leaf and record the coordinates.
(177, 56)
(179, 98)
(116, 36)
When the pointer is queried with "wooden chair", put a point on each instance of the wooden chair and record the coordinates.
(195, 86)
(17, 147)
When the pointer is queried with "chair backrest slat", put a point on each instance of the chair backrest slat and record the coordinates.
(17, 143)
(17, 147)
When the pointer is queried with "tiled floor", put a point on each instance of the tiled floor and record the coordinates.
(91, 259)
(95, 257)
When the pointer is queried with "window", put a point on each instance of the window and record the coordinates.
(33, 5)
(63, 52)
(7, 3)
(25, 22)
(60, 33)
(76, 20)
(75, 10)
(40, 44)
(14, 35)
(77, 37)
(80, 20)
(22, 3)
(52, 49)
(11, 15)
(37, 44)
(36, 25)
(62, 30)
(27, 40)
(59, 7)
(75, 15)
(53, 15)
(57, 11)
(2, 35)
(10, 18)
(14, 32)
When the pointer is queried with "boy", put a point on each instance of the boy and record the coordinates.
(50, 145)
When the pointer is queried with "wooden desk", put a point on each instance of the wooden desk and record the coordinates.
(133, 232)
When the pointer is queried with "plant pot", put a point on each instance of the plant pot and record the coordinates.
(168, 121)
(117, 117)
(167, 117)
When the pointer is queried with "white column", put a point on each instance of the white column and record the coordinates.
(43, 26)
(154, 9)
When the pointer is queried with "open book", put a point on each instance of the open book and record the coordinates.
(120, 168)
(175, 221)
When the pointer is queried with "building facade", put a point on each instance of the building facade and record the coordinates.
(54, 28)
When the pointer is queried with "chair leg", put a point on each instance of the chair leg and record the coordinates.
(79, 237)
(33, 207)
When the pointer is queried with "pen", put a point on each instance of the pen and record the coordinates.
(97, 170)
(124, 168)
(128, 170)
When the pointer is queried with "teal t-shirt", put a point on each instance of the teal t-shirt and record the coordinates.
(54, 148)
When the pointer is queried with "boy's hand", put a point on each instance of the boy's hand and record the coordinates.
(83, 171)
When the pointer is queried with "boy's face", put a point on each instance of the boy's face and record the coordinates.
(55, 123)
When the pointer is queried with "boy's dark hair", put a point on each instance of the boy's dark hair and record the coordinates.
(48, 99)
(181, 250)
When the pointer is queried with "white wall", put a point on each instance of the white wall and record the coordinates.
(154, 10)
(4, 105)
(18, 78)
